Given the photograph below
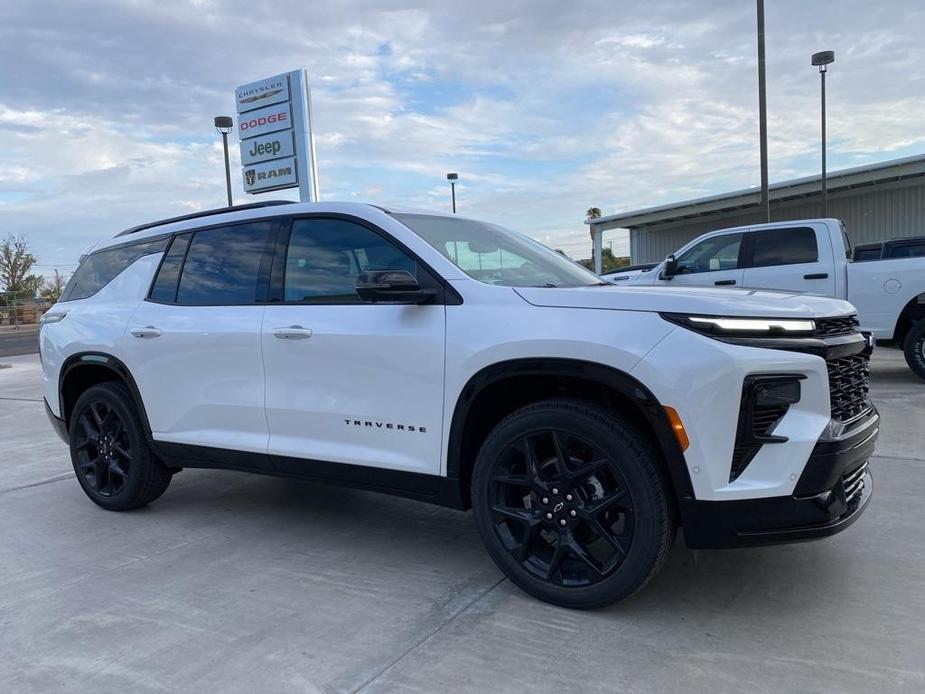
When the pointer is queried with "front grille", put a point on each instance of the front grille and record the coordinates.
(853, 483)
(832, 327)
(849, 386)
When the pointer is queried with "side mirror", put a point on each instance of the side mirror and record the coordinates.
(670, 268)
(391, 287)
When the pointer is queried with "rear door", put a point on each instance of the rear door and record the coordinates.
(193, 346)
(350, 382)
(714, 261)
(795, 259)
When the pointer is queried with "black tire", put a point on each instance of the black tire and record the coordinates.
(109, 451)
(914, 348)
(598, 477)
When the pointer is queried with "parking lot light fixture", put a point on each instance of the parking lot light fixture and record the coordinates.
(452, 178)
(822, 60)
(225, 125)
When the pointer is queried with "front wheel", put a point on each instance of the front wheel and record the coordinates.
(570, 503)
(110, 453)
(914, 348)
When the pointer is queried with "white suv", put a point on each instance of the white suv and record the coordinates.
(452, 361)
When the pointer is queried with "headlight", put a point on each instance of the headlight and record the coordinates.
(743, 327)
(52, 317)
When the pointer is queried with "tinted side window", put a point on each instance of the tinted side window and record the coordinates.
(223, 265)
(785, 247)
(164, 289)
(716, 253)
(100, 268)
(326, 255)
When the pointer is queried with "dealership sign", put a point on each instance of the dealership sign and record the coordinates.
(273, 146)
(274, 126)
(274, 90)
(266, 120)
(270, 175)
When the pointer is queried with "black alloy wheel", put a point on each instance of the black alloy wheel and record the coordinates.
(104, 452)
(572, 503)
(561, 508)
(110, 452)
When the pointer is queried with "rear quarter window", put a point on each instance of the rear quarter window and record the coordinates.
(102, 267)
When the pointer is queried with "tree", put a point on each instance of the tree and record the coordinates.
(609, 261)
(52, 288)
(593, 213)
(15, 263)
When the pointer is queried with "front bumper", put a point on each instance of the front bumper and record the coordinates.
(59, 425)
(833, 491)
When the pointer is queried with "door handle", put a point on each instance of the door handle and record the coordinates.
(293, 332)
(817, 276)
(720, 283)
(147, 331)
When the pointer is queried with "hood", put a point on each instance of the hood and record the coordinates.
(694, 300)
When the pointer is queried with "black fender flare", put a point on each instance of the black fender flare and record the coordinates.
(113, 364)
(621, 382)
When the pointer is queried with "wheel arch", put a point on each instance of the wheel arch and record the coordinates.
(85, 369)
(497, 390)
(912, 312)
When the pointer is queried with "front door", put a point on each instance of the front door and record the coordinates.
(350, 382)
(714, 262)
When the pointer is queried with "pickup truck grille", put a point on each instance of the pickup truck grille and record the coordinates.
(832, 327)
(849, 386)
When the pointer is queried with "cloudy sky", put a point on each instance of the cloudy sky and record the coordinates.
(545, 108)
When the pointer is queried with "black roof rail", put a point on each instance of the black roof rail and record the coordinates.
(204, 213)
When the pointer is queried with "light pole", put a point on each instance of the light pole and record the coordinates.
(823, 59)
(452, 178)
(224, 125)
(763, 118)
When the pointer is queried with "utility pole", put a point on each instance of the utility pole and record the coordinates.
(763, 117)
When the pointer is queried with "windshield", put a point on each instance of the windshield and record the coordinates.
(494, 255)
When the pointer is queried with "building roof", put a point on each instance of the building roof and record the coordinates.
(846, 179)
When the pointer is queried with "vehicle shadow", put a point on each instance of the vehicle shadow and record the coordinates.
(700, 585)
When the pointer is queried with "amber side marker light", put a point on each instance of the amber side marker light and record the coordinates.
(677, 427)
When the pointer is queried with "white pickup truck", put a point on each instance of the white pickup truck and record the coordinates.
(810, 255)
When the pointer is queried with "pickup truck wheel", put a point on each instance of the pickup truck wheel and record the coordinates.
(109, 451)
(914, 348)
(570, 503)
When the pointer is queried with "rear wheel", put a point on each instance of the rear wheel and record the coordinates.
(109, 452)
(914, 348)
(570, 503)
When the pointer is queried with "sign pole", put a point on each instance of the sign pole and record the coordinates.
(313, 162)
(305, 141)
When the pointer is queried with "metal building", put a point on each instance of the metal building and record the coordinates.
(876, 202)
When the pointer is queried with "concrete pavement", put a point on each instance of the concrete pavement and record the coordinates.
(238, 583)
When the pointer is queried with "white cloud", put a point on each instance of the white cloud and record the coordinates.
(544, 108)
